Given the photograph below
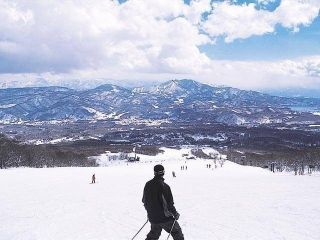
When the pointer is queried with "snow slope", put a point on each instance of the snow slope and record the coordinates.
(233, 202)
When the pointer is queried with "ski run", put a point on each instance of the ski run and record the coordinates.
(231, 202)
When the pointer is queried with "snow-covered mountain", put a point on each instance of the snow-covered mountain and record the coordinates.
(175, 100)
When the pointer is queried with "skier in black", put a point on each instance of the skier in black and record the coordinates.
(158, 201)
(93, 179)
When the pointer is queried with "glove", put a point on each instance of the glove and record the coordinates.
(176, 216)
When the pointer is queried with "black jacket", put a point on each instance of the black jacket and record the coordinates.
(158, 201)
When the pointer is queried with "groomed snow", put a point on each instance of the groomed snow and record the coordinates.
(233, 202)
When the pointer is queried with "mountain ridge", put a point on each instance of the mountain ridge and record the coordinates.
(174, 100)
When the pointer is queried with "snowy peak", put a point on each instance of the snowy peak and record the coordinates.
(140, 90)
(188, 84)
(183, 86)
(169, 87)
(109, 88)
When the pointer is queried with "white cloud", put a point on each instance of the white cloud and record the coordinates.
(302, 72)
(238, 21)
(243, 21)
(293, 14)
(57, 42)
(133, 36)
(196, 9)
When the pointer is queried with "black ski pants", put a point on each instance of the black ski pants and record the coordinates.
(156, 229)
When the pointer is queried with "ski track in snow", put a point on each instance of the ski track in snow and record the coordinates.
(233, 202)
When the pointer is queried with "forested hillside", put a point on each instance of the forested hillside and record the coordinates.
(15, 154)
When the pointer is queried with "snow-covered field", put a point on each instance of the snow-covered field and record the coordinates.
(233, 202)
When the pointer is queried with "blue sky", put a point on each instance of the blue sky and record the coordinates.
(250, 44)
(282, 44)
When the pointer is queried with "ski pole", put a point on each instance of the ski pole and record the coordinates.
(140, 229)
(171, 228)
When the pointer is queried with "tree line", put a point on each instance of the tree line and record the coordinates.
(298, 160)
(16, 154)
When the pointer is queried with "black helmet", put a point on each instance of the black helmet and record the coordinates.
(158, 170)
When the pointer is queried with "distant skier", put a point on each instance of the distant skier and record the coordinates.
(173, 174)
(158, 201)
(186, 167)
(93, 178)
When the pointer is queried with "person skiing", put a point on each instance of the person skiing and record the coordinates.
(158, 201)
(173, 174)
(93, 180)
